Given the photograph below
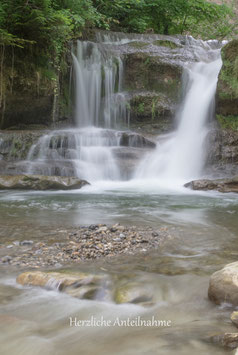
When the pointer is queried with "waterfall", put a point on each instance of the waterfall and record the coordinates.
(99, 100)
(94, 150)
(87, 151)
(181, 156)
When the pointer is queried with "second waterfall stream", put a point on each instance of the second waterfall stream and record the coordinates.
(181, 156)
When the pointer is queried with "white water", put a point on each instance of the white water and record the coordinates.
(99, 100)
(181, 157)
(87, 151)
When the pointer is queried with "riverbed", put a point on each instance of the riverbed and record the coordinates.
(204, 230)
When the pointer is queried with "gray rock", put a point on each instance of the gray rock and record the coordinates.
(221, 185)
(223, 286)
(38, 182)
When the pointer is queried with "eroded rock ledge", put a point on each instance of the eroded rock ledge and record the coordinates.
(221, 185)
(39, 182)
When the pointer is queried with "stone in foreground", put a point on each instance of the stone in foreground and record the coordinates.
(221, 185)
(223, 286)
(89, 286)
(227, 340)
(38, 182)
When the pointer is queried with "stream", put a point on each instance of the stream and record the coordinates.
(204, 227)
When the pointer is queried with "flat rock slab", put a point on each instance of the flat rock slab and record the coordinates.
(39, 182)
(88, 286)
(223, 286)
(221, 185)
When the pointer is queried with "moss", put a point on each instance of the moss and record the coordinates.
(228, 84)
(147, 72)
(138, 44)
(150, 107)
(32, 88)
(228, 122)
(166, 43)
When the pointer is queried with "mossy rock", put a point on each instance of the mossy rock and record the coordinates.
(150, 107)
(150, 73)
(228, 122)
(41, 183)
(166, 43)
(34, 91)
(227, 88)
(132, 293)
(138, 44)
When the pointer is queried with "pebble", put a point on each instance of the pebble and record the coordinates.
(26, 242)
(6, 259)
(85, 243)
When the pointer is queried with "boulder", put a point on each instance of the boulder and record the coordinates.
(221, 185)
(227, 340)
(38, 182)
(223, 286)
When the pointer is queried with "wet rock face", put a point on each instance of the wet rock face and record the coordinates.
(222, 148)
(15, 145)
(152, 108)
(223, 286)
(148, 72)
(52, 153)
(37, 182)
(227, 88)
(221, 185)
(33, 94)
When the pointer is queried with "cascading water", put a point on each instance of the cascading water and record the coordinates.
(180, 158)
(88, 151)
(99, 100)
(91, 150)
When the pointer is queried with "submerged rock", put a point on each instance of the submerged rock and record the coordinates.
(38, 182)
(87, 286)
(132, 293)
(221, 185)
(223, 286)
(80, 285)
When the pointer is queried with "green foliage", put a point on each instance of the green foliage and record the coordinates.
(228, 122)
(229, 72)
(49, 23)
(198, 17)
(168, 44)
(43, 27)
